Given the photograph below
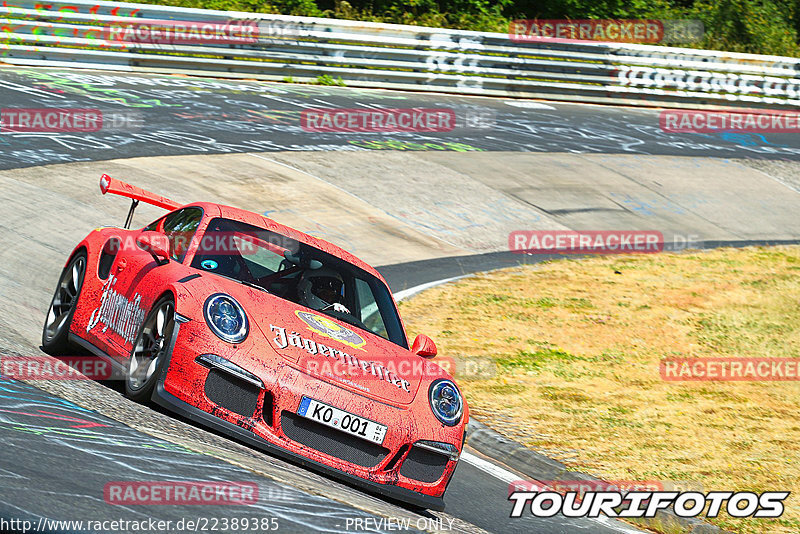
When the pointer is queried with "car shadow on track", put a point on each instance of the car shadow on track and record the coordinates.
(118, 386)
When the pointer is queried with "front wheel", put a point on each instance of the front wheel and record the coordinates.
(150, 351)
(55, 335)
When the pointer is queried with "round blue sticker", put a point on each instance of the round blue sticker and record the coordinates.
(209, 264)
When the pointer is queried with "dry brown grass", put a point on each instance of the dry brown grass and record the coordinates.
(577, 344)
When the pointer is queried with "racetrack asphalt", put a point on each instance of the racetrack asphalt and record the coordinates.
(159, 115)
(43, 218)
(57, 458)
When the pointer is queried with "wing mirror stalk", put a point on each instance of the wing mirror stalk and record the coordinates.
(156, 244)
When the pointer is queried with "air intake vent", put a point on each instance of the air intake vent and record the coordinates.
(268, 408)
(332, 441)
(231, 393)
(424, 465)
(107, 257)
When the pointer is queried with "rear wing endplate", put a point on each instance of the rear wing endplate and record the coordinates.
(118, 187)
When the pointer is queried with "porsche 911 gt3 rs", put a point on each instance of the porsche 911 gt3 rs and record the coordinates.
(277, 338)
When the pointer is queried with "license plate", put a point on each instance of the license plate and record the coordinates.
(342, 420)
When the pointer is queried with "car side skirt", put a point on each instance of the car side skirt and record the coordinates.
(96, 351)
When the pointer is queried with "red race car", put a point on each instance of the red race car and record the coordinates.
(276, 338)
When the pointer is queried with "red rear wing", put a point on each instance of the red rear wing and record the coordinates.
(118, 187)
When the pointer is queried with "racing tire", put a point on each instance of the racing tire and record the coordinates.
(55, 334)
(150, 351)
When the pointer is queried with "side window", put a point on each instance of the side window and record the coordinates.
(370, 314)
(153, 226)
(179, 228)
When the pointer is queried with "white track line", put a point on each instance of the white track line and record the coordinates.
(406, 293)
(508, 477)
(528, 104)
(488, 467)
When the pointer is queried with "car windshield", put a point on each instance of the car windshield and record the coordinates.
(299, 273)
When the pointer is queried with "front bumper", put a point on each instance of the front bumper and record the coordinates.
(274, 439)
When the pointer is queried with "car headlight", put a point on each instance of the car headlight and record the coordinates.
(226, 318)
(446, 402)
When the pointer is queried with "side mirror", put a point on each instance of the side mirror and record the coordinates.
(424, 346)
(156, 244)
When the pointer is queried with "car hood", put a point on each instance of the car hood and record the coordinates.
(331, 349)
(347, 356)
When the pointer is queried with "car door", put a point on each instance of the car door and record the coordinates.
(136, 280)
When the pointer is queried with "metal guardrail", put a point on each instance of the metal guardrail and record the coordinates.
(76, 34)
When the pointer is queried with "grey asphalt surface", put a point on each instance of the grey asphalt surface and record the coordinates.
(57, 458)
(403, 276)
(155, 115)
(174, 116)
